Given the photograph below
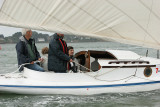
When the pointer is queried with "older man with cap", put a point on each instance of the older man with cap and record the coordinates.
(27, 51)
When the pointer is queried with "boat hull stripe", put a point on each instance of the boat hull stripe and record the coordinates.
(86, 86)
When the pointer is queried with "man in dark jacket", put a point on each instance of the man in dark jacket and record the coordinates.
(57, 55)
(27, 51)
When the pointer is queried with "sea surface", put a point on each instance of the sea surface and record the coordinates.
(8, 63)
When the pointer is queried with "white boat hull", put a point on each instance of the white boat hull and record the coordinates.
(81, 90)
(74, 83)
(116, 75)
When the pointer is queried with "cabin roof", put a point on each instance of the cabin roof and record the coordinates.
(110, 54)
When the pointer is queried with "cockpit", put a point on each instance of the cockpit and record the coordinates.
(89, 59)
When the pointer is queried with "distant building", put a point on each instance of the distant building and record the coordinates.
(81, 38)
(1, 38)
(41, 40)
(87, 38)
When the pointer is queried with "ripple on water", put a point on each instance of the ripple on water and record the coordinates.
(116, 99)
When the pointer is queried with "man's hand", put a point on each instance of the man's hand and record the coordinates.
(32, 62)
(40, 59)
(70, 60)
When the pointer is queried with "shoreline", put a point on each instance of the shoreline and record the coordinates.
(67, 42)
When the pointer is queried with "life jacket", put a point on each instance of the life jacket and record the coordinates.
(30, 48)
(31, 51)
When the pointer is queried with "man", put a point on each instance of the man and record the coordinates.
(58, 54)
(70, 51)
(71, 65)
(27, 51)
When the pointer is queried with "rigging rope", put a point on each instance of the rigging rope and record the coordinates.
(8, 75)
(148, 23)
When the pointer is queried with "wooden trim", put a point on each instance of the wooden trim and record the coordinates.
(80, 53)
(138, 66)
(88, 61)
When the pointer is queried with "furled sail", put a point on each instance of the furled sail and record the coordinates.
(127, 21)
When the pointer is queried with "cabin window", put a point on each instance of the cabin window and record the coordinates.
(101, 55)
(147, 72)
(95, 55)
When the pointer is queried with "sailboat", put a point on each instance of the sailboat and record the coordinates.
(111, 71)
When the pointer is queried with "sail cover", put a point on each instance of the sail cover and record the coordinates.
(127, 21)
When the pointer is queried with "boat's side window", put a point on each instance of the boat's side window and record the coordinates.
(147, 72)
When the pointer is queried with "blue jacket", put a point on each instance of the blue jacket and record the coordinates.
(22, 51)
(57, 55)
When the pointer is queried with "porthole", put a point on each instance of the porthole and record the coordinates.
(147, 72)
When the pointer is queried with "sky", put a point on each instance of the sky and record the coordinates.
(8, 31)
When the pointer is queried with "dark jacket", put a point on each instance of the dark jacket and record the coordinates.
(22, 51)
(57, 55)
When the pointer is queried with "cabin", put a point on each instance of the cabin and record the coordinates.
(90, 58)
(95, 60)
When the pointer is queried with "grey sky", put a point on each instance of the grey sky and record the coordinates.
(8, 31)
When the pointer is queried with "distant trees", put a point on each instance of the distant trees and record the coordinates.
(1, 36)
(36, 35)
(15, 37)
(39, 36)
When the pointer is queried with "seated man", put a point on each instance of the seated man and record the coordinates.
(71, 65)
(27, 51)
(45, 57)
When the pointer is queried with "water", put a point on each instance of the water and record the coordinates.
(8, 63)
